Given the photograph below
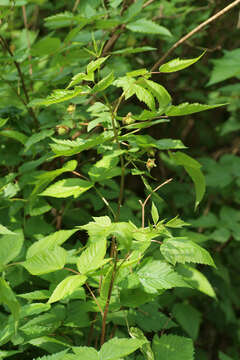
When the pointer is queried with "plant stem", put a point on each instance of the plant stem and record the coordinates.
(194, 31)
(143, 204)
(5, 46)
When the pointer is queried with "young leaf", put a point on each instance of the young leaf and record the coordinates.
(67, 187)
(67, 287)
(143, 95)
(187, 109)
(148, 27)
(94, 65)
(46, 261)
(154, 213)
(183, 250)
(91, 259)
(158, 91)
(115, 348)
(145, 348)
(172, 347)
(104, 83)
(50, 241)
(178, 64)
(78, 78)
(192, 167)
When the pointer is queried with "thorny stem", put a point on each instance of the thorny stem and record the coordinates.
(5, 46)
(194, 31)
(143, 204)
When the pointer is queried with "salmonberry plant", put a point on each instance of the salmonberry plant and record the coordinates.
(87, 265)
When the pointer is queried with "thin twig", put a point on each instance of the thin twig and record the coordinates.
(147, 3)
(194, 31)
(75, 5)
(89, 289)
(143, 204)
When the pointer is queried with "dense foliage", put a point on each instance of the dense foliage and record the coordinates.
(119, 182)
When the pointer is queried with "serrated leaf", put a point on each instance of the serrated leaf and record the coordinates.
(131, 50)
(57, 356)
(154, 213)
(187, 109)
(67, 287)
(196, 279)
(67, 187)
(193, 168)
(61, 95)
(146, 141)
(35, 295)
(148, 27)
(145, 348)
(50, 241)
(176, 223)
(35, 138)
(86, 353)
(5, 231)
(144, 96)
(91, 258)
(33, 309)
(158, 91)
(104, 83)
(156, 275)
(60, 20)
(7, 297)
(94, 65)
(172, 347)
(183, 250)
(16, 135)
(46, 261)
(189, 318)
(69, 148)
(178, 64)
(76, 79)
(106, 168)
(137, 73)
(10, 247)
(115, 349)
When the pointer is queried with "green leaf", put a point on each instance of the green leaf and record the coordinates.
(78, 78)
(61, 95)
(67, 187)
(145, 348)
(144, 96)
(46, 261)
(58, 356)
(158, 91)
(16, 135)
(106, 168)
(10, 246)
(7, 297)
(183, 250)
(172, 347)
(189, 318)
(98, 229)
(44, 179)
(94, 65)
(86, 353)
(35, 138)
(50, 241)
(132, 50)
(3, 121)
(178, 64)
(154, 213)
(196, 279)
(124, 233)
(148, 27)
(35, 295)
(92, 258)
(5, 231)
(223, 356)
(226, 67)
(115, 349)
(104, 83)
(156, 275)
(146, 141)
(46, 46)
(187, 109)
(69, 148)
(67, 287)
(60, 20)
(176, 223)
(192, 167)
(137, 73)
